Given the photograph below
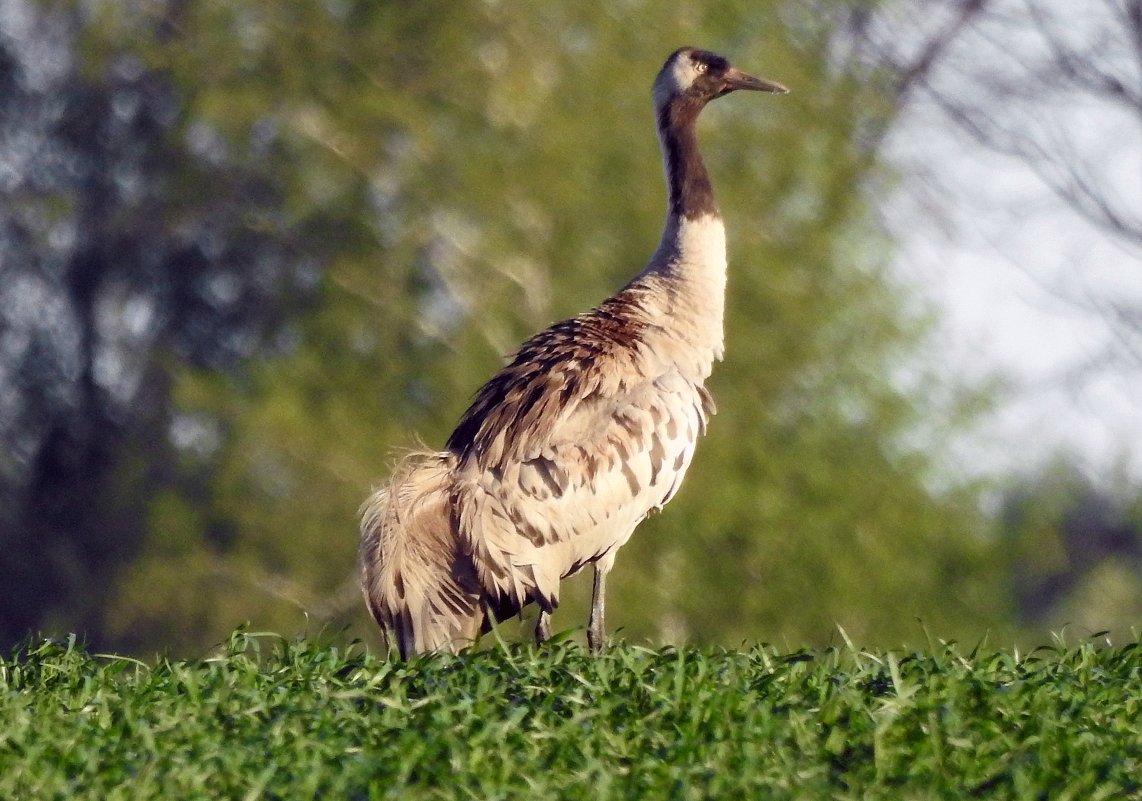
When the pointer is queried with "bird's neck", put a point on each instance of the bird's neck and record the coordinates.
(690, 263)
(694, 237)
(690, 191)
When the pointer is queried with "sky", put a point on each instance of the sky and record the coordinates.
(1021, 281)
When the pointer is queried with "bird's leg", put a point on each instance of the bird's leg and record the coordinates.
(596, 626)
(543, 627)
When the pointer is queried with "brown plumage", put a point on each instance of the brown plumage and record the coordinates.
(588, 429)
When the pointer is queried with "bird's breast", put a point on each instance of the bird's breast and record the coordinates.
(686, 279)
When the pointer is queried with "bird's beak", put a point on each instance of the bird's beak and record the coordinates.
(736, 79)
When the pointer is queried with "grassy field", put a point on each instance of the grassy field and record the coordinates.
(268, 718)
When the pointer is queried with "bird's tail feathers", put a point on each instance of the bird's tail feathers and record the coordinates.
(419, 585)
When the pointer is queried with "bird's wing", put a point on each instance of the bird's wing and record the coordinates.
(567, 448)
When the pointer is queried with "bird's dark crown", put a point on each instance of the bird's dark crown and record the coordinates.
(714, 62)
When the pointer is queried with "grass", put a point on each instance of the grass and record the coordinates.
(269, 718)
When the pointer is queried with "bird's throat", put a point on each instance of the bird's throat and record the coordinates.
(691, 195)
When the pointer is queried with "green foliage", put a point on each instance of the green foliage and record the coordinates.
(1073, 549)
(459, 176)
(270, 718)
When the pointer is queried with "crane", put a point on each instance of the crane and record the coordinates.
(589, 428)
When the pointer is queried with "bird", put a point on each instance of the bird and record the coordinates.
(590, 426)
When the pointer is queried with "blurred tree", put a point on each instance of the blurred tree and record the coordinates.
(127, 239)
(1022, 80)
(1074, 550)
(1030, 117)
(444, 180)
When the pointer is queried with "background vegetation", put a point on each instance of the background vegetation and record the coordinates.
(247, 251)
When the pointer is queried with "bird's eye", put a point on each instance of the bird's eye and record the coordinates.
(699, 66)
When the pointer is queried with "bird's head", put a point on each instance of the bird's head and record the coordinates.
(696, 77)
